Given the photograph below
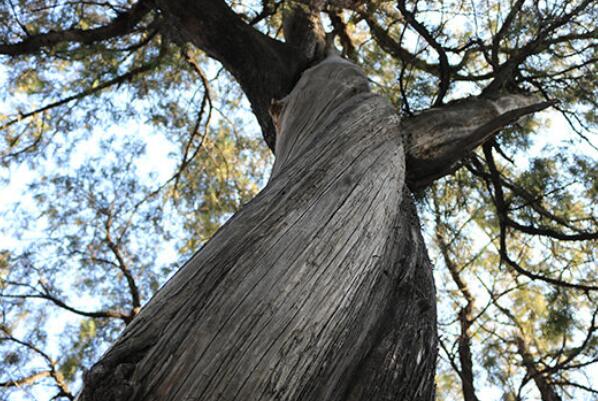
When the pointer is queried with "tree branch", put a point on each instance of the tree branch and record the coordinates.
(123, 267)
(26, 380)
(504, 29)
(340, 29)
(386, 42)
(89, 91)
(547, 391)
(505, 72)
(122, 24)
(52, 371)
(465, 313)
(46, 295)
(443, 66)
(500, 205)
(438, 138)
(265, 68)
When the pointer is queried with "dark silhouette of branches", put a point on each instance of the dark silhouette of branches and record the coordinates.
(124, 23)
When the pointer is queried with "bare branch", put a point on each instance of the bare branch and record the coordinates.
(52, 371)
(123, 267)
(438, 138)
(500, 204)
(465, 313)
(505, 72)
(443, 67)
(46, 295)
(26, 380)
(504, 29)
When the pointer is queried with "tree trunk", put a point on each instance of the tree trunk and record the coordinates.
(318, 289)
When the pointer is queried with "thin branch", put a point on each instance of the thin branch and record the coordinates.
(122, 24)
(26, 380)
(504, 29)
(58, 302)
(443, 66)
(123, 267)
(52, 372)
(465, 313)
(500, 205)
(115, 81)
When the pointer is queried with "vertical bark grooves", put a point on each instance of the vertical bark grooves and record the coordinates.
(318, 289)
(401, 364)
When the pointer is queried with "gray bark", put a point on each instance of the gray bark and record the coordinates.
(438, 138)
(318, 289)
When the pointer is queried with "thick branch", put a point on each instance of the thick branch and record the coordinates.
(438, 138)
(122, 24)
(340, 29)
(265, 68)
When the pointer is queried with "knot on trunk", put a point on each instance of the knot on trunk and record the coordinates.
(113, 377)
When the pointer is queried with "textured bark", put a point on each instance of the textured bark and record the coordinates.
(438, 138)
(267, 69)
(318, 289)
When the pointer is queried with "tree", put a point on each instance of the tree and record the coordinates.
(320, 287)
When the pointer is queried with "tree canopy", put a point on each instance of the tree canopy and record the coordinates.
(131, 132)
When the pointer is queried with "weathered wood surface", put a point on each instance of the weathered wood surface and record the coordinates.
(438, 138)
(318, 289)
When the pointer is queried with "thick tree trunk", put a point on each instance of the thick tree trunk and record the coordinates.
(318, 289)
